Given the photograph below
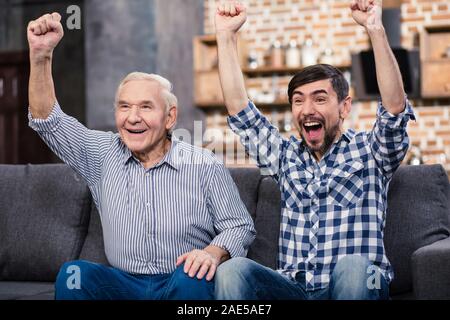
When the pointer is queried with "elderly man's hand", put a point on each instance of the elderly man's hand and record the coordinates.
(367, 13)
(202, 262)
(44, 34)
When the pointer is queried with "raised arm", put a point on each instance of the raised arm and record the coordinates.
(43, 35)
(230, 16)
(368, 13)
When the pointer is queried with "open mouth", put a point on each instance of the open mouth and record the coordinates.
(313, 129)
(135, 131)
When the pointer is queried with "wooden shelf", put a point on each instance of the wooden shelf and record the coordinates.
(218, 105)
(208, 92)
(269, 71)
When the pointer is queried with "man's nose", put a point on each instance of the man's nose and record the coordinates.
(134, 115)
(308, 108)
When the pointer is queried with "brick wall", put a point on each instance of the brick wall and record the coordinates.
(330, 25)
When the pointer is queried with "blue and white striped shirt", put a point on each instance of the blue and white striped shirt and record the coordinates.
(150, 217)
(334, 207)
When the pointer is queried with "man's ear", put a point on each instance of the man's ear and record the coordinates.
(346, 107)
(171, 117)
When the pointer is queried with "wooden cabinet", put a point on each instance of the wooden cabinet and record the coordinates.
(435, 62)
(206, 75)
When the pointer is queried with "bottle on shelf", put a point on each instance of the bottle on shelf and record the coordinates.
(252, 60)
(293, 59)
(327, 56)
(276, 55)
(308, 53)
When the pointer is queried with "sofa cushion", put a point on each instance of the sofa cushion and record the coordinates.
(94, 248)
(23, 290)
(43, 220)
(417, 215)
(264, 249)
(247, 181)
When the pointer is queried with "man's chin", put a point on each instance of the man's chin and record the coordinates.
(315, 147)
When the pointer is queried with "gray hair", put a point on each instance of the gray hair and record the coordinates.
(167, 95)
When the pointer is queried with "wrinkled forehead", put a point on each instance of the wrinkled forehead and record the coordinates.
(140, 90)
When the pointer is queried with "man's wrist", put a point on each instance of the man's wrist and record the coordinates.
(218, 253)
(40, 58)
(376, 31)
(226, 35)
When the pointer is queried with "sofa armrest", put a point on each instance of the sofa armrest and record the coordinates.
(431, 271)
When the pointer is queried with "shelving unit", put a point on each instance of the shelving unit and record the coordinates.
(435, 61)
(208, 93)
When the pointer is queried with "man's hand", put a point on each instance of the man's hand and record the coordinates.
(230, 16)
(44, 34)
(368, 13)
(203, 262)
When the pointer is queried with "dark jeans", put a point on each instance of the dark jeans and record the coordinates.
(99, 282)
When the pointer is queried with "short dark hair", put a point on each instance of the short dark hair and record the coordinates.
(320, 72)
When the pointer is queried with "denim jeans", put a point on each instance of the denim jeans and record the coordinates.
(244, 279)
(99, 282)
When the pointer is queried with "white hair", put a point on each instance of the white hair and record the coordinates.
(167, 95)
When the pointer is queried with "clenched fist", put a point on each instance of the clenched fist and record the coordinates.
(44, 35)
(230, 16)
(367, 13)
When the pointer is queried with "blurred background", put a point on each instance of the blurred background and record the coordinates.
(106, 39)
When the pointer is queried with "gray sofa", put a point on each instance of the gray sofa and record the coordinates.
(47, 217)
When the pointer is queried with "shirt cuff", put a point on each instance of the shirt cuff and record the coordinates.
(388, 120)
(225, 242)
(46, 125)
(245, 119)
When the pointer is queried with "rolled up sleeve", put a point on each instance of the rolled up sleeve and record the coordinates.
(389, 139)
(262, 141)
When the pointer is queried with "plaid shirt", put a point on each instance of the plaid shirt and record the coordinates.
(334, 207)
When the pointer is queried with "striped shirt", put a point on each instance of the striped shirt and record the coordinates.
(334, 207)
(150, 217)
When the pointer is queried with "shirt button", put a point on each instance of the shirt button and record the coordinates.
(148, 204)
(147, 175)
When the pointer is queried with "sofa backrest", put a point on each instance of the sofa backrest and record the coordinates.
(44, 210)
(418, 214)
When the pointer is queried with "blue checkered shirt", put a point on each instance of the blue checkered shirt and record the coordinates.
(334, 207)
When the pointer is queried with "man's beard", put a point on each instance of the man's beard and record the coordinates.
(330, 137)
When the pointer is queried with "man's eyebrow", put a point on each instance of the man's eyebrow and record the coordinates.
(312, 93)
(139, 102)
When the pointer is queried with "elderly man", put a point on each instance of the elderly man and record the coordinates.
(170, 212)
(333, 182)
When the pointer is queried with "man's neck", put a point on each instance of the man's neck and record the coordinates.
(151, 158)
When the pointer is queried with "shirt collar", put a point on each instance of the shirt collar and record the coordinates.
(170, 157)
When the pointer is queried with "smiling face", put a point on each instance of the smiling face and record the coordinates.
(318, 116)
(142, 118)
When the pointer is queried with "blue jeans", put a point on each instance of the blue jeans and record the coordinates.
(244, 279)
(99, 282)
